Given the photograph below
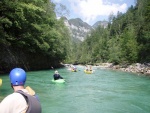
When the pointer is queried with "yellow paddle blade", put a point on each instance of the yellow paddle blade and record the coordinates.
(1, 81)
(30, 90)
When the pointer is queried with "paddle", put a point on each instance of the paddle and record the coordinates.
(30, 90)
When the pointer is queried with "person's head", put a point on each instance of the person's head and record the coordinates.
(56, 72)
(17, 77)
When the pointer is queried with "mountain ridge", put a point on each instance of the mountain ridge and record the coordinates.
(80, 29)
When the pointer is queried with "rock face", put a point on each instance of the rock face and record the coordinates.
(79, 29)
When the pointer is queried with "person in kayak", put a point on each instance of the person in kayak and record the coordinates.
(86, 68)
(57, 75)
(74, 68)
(91, 68)
(22, 100)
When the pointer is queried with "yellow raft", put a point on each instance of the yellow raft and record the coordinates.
(74, 70)
(88, 72)
(1, 81)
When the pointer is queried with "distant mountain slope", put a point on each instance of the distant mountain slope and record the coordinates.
(79, 22)
(101, 23)
(79, 29)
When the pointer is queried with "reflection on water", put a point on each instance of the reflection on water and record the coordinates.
(104, 91)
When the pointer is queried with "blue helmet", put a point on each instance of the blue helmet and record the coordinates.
(17, 77)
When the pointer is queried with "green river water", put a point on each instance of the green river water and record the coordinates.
(104, 91)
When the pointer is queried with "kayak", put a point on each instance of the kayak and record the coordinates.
(58, 81)
(88, 72)
(1, 81)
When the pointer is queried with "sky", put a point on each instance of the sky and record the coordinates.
(91, 11)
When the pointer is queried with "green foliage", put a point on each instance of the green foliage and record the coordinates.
(33, 38)
(129, 45)
(114, 51)
(29, 28)
(125, 40)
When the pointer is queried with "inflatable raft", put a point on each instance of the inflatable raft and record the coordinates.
(88, 72)
(74, 70)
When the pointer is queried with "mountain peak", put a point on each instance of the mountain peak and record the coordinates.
(103, 23)
(80, 29)
(79, 22)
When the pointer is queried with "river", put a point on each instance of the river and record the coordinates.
(104, 91)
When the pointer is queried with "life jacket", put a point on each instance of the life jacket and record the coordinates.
(33, 103)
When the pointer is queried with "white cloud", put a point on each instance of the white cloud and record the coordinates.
(91, 9)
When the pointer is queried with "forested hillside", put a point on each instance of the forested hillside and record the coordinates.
(125, 40)
(31, 36)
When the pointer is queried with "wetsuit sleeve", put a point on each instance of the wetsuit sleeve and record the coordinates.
(60, 77)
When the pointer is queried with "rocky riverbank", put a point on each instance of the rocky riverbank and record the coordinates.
(134, 68)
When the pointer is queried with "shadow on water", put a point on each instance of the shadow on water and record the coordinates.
(104, 91)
